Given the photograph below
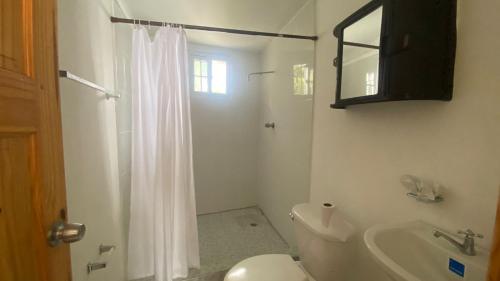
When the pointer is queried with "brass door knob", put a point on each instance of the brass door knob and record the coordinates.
(65, 232)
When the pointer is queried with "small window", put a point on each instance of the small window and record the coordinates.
(209, 76)
(303, 80)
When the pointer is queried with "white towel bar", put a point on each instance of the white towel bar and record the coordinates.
(71, 76)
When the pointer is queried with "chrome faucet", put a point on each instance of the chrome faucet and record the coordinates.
(467, 247)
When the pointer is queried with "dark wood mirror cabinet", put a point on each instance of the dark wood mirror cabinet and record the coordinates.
(393, 50)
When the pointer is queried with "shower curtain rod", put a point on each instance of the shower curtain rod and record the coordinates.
(215, 29)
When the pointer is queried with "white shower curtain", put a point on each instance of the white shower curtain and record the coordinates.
(163, 235)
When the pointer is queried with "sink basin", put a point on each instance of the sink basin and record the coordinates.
(410, 252)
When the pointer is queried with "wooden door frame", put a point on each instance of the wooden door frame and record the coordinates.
(494, 271)
(59, 265)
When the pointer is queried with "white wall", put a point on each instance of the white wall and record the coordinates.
(284, 153)
(90, 136)
(360, 153)
(225, 136)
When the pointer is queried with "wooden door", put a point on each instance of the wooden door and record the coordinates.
(32, 191)
(494, 273)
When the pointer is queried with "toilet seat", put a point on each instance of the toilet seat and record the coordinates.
(267, 268)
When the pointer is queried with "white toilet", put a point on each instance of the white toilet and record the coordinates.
(324, 252)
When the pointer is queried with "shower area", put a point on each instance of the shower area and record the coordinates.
(251, 101)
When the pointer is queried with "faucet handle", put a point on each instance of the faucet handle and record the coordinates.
(469, 233)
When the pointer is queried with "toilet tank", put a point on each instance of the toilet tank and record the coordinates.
(325, 251)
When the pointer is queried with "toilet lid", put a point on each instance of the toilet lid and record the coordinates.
(266, 268)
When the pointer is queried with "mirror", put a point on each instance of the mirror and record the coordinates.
(360, 56)
(396, 51)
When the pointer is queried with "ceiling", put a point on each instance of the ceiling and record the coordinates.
(259, 15)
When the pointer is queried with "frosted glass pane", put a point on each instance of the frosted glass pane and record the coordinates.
(197, 84)
(204, 68)
(197, 68)
(302, 80)
(219, 77)
(204, 84)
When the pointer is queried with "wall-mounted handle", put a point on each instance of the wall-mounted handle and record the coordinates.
(270, 125)
(469, 233)
(106, 248)
(65, 232)
(95, 266)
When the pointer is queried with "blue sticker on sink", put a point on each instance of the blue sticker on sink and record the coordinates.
(456, 267)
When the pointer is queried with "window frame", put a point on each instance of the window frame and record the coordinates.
(209, 57)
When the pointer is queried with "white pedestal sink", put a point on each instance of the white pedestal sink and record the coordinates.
(410, 252)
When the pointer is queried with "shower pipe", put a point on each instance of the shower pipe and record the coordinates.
(215, 29)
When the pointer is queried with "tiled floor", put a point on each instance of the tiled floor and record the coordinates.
(226, 238)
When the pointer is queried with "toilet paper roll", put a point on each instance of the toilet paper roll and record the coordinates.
(326, 213)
